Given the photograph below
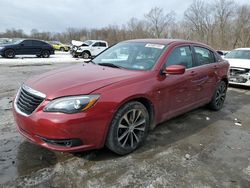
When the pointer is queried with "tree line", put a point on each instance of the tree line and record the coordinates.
(223, 24)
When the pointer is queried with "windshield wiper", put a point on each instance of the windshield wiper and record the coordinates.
(110, 65)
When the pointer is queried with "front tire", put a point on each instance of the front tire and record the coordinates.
(9, 53)
(62, 49)
(219, 96)
(128, 129)
(85, 55)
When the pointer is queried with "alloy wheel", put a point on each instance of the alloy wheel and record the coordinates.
(10, 53)
(220, 94)
(86, 55)
(45, 54)
(131, 128)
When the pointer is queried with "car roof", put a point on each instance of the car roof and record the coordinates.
(96, 40)
(242, 49)
(165, 41)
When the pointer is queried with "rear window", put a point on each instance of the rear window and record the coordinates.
(203, 56)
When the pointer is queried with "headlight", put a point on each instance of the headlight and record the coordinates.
(1, 47)
(70, 105)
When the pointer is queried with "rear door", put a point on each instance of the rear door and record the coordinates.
(205, 68)
(37, 47)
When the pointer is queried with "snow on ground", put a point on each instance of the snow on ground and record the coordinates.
(58, 57)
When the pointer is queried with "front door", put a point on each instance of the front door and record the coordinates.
(26, 47)
(177, 91)
(97, 48)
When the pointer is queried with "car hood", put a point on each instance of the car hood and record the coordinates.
(242, 63)
(78, 80)
(6, 44)
(77, 43)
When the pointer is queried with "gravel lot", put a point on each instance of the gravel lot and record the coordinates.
(198, 149)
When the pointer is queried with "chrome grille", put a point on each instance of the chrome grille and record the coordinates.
(28, 100)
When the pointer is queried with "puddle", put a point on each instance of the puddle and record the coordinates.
(19, 157)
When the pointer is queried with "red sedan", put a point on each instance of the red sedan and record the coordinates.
(118, 96)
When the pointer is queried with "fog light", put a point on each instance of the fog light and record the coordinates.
(63, 142)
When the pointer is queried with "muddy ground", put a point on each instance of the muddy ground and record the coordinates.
(198, 149)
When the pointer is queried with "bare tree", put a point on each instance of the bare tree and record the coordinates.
(200, 22)
(224, 12)
(241, 34)
(222, 24)
(158, 21)
(137, 29)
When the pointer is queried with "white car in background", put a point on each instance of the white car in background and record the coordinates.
(239, 60)
(89, 48)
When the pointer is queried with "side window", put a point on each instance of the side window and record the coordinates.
(37, 43)
(181, 56)
(203, 56)
(27, 42)
(96, 44)
(103, 44)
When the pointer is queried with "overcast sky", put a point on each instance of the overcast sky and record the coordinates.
(57, 15)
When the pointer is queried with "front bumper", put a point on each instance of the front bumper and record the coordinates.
(76, 53)
(86, 130)
(239, 76)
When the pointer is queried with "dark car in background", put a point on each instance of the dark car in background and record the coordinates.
(26, 47)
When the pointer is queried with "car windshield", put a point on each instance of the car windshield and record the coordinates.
(131, 55)
(238, 54)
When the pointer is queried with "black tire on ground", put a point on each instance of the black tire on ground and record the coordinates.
(45, 54)
(62, 49)
(86, 55)
(219, 96)
(74, 55)
(9, 53)
(128, 129)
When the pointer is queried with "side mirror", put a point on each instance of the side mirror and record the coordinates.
(175, 69)
(220, 53)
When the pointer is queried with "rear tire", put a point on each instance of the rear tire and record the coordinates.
(62, 49)
(45, 54)
(128, 129)
(9, 53)
(219, 96)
